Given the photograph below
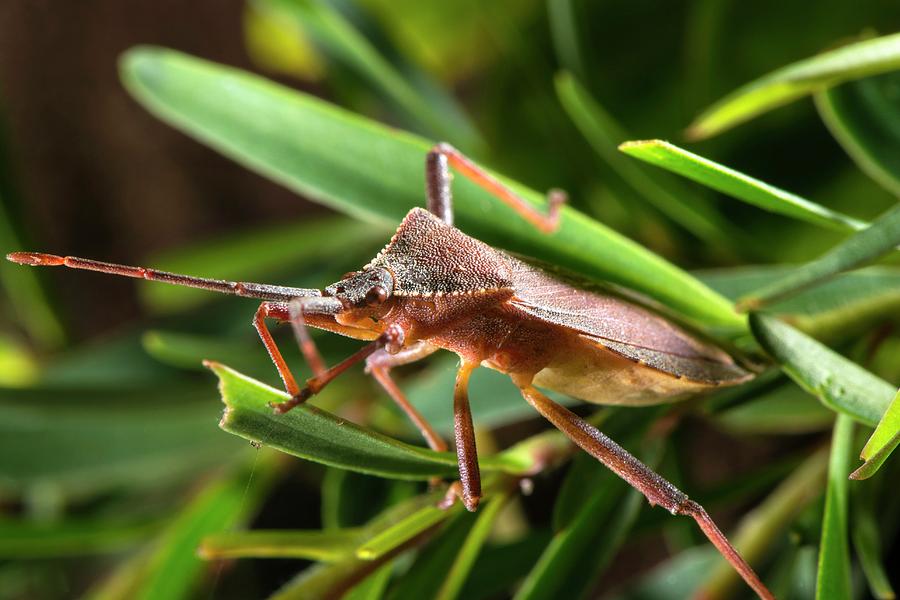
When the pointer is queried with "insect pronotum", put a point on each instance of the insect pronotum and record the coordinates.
(433, 287)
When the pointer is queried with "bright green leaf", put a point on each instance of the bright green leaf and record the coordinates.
(876, 240)
(840, 384)
(883, 441)
(376, 173)
(313, 434)
(737, 185)
(324, 546)
(853, 61)
(864, 117)
(833, 580)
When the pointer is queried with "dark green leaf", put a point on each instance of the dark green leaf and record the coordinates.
(22, 539)
(866, 533)
(853, 61)
(864, 116)
(876, 240)
(375, 173)
(840, 384)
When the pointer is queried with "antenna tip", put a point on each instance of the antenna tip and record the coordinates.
(35, 259)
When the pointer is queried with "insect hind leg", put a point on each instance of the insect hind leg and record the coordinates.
(656, 489)
(440, 197)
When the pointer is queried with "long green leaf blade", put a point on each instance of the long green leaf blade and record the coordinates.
(833, 579)
(311, 433)
(375, 173)
(876, 240)
(799, 79)
(840, 384)
(281, 543)
(738, 185)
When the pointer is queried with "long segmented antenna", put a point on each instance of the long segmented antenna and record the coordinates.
(261, 291)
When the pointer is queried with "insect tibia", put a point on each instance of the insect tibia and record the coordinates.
(36, 259)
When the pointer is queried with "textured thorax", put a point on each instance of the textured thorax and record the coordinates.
(427, 257)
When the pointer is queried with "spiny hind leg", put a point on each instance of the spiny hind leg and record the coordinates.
(638, 475)
(440, 198)
(379, 365)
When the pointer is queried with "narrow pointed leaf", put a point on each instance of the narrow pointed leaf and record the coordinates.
(864, 117)
(376, 173)
(840, 384)
(833, 579)
(311, 433)
(853, 61)
(310, 545)
(738, 185)
(869, 244)
(865, 531)
(883, 441)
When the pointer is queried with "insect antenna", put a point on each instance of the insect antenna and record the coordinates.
(261, 291)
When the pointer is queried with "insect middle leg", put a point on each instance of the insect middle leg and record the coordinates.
(379, 365)
(468, 488)
(642, 478)
(440, 197)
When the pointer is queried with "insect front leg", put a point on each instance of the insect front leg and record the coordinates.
(379, 365)
(642, 478)
(468, 488)
(392, 337)
(440, 198)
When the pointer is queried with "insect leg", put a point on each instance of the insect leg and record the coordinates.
(469, 486)
(301, 332)
(379, 365)
(275, 310)
(440, 202)
(392, 337)
(642, 478)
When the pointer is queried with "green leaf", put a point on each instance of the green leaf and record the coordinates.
(255, 255)
(847, 304)
(785, 410)
(680, 204)
(853, 61)
(876, 240)
(884, 439)
(325, 546)
(840, 384)
(737, 185)
(459, 571)
(863, 116)
(833, 580)
(375, 173)
(404, 530)
(311, 433)
(338, 37)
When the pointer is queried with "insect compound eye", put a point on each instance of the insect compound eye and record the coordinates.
(376, 295)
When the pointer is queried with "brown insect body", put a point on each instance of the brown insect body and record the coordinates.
(454, 292)
(432, 287)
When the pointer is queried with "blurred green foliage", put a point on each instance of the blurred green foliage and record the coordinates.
(113, 471)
